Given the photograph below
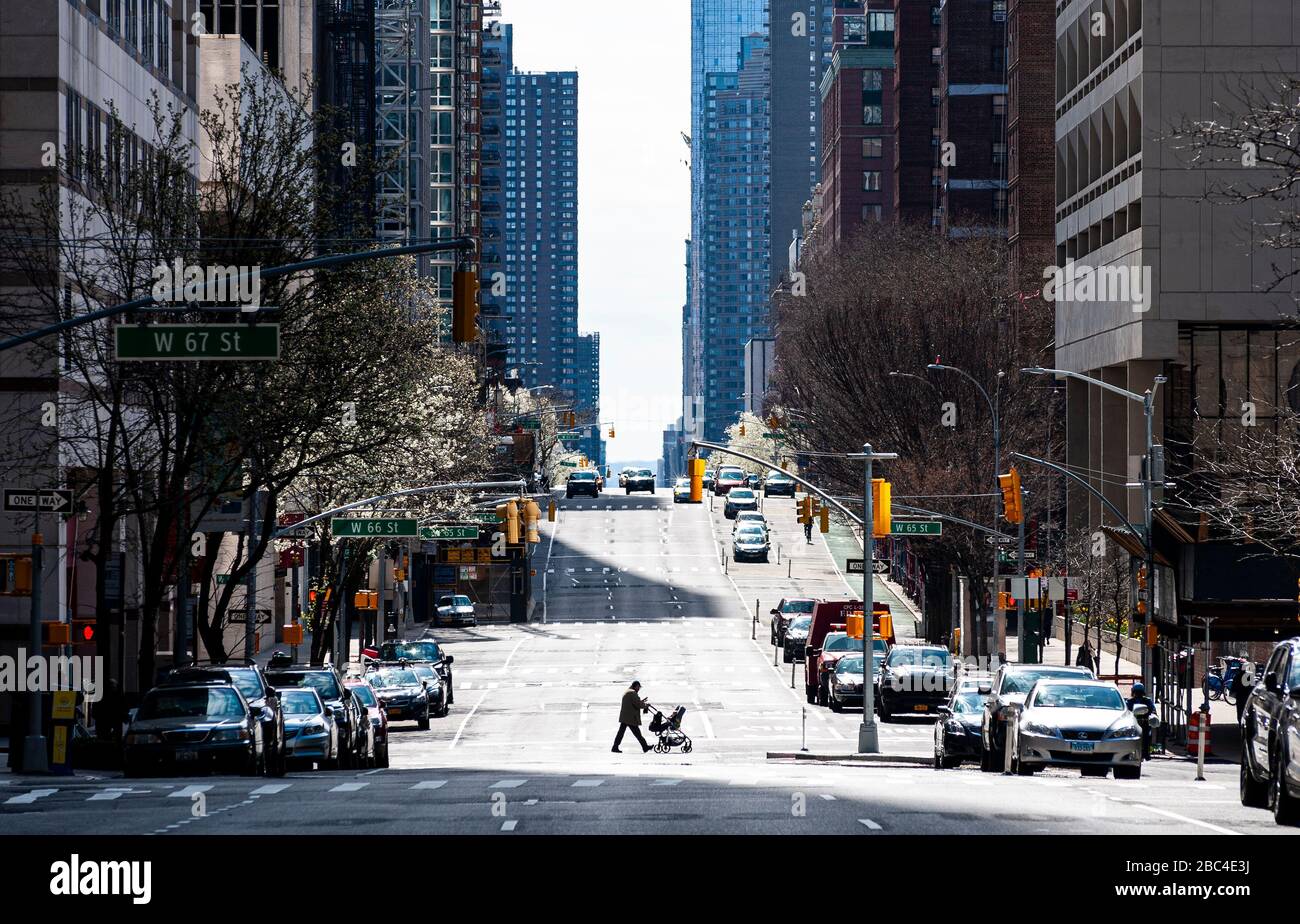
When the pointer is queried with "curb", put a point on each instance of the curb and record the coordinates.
(917, 759)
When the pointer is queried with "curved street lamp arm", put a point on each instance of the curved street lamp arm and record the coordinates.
(1089, 488)
(427, 489)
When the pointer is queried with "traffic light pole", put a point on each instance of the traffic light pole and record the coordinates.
(868, 733)
(34, 759)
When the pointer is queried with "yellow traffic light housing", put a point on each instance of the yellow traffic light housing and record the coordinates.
(508, 513)
(611, 432)
(15, 575)
(532, 513)
(464, 306)
(1012, 509)
(806, 509)
(697, 480)
(825, 519)
(882, 517)
(742, 428)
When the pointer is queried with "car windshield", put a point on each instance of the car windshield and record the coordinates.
(207, 703)
(742, 494)
(1020, 681)
(363, 692)
(460, 600)
(683, 482)
(736, 473)
(299, 702)
(424, 671)
(880, 646)
(798, 606)
(323, 682)
(410, 651)
(842, 643)
(753, 532)
(248, 682)
(800, 623)
(849, 666)
(645, 473)
(967, 702)
(774, 475)
(583, 476)
(1077, 696)
(387, 679)
(927, 657)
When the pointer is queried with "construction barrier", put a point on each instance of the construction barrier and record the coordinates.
(1194, 736)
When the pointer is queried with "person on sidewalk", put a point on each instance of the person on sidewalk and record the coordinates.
(629, 717)
(1243, 681)
(1084, 657)
(1139, 698)
(807, 531)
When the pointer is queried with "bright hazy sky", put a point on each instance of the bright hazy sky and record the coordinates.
(633, 64)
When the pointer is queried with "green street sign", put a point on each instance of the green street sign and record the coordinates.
(916, 528)
(223, 579)
(373, 527)
(196, 341)
(485, 516)
(448, 532)
(570, 464)
(531, 423)
(570, 437)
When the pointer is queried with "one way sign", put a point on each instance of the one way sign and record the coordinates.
(46, 500)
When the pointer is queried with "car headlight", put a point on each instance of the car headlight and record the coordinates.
(1126, 730)
(1038, 728)
(231, 734)
(312, 730)
(143, 738)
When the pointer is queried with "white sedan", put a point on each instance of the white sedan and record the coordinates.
(1077, 723)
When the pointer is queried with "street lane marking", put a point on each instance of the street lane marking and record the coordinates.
(510, 656)
(665, 782)
(870, 824)
(1184, 818)
(827, 796)
(28, 798)
(188, 792)
(270, 789)
(465, 721)
(430, 784)
(587, 783)
(349, 787)
(507, 784)
(508, 825)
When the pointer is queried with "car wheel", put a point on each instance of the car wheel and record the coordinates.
(381, 757)
(834, 703)
(882, 707)
(785, 656)
(951, 763)
(1286, 807)
(939, 760)
(810, 693)
(1254, 794)
(280, 765)
(1128, 773)
(451, 694)
(1019, 767)
(423, 724)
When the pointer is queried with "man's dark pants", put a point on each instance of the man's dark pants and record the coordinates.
(636, 733)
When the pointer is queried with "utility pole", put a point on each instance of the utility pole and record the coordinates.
(34, 758)
(868, 734)
(181, 637)
(250, 582)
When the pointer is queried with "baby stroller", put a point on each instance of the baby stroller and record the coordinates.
(670, 732)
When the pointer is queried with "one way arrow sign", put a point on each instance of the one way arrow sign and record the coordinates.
(45, 500)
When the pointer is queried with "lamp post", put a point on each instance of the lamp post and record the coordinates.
(1148, 401)
(981, 638)
(868, 736)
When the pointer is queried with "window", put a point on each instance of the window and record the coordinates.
(872, 148)
(872, 115)
(872, 80)
(871, 180)
(999, 10)
(873, 211)
(999, 153)
(999, 104)
(998, 58)
(934, 96)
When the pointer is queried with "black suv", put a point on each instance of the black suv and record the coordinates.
(1270, 737)
(348, 711)
(252, 683)
(419, 650)
(582, 483)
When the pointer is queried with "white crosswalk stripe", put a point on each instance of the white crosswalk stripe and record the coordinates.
(270, 789)
(507, 784)
(28, 798)
(430, 784)
(349, 787)
(188, 792)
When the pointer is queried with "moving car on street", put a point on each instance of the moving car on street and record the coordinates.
(729, 476)
(750, 542)
(455, 610)
(739, 499)
(748, 517)
(433, 687)
(708, 479)
(363, 691)
(778, 483)
(623, 475)
(207, 724)
(640, 480)
(1270, 737)
(1007, 693)
(582, 482)
(786, 610)
(682, 491)
(916, 679)
(401, 693)
(796, 637)
(835, 646)
(1077, 723)
(423, 649)
(311, 734)
(957, 733)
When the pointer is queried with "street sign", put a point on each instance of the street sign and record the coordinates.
(915, 528)
(880, 567)
(373, 527)
(569, 464)
(196, 341)
(484, 516)
(448, 532)
(223, 579)
(858, 566)
(531, 423)
(999, 540)
(44, 500)
(570, 437)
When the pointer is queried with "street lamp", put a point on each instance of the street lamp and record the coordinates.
(1149, 478)
(981, 637)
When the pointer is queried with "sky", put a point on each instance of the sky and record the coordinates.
(633, 65)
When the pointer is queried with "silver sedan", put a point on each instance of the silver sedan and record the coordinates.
(1077, 723)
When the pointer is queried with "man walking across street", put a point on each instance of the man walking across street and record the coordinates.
(629, 716)
(807, 531)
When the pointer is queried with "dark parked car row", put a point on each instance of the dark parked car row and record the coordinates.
(1270, 737)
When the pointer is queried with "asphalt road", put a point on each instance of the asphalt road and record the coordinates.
(636, 587)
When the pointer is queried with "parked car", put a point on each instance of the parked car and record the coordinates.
(423, 649)
(835, 646)
(402, 693)
(753, 480)
(433, 686)
(682, 491)
(748, 517)
(455, 609)
(251, 682)
(844, 686)
(641, 480)
(582, 482)
(957, 733)
(784, 612)
(729, 476)
(739, 499)
(311, 734)
(914, 679)
(709, 477)
(1270, 737)
(1077, 723)
(355, 738)
(778, 483)
(1007, 692)
(362, 689)
(207, 724)
(827, 616)
(622, 476)
(796, 637)
(750, 542)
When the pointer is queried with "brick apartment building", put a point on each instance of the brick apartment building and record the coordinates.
(1031, 134)
(915, 103)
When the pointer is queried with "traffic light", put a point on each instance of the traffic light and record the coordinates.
(508, 513)
(805, 509)
(550, 512)
(1006, 601)
(882, 517)
(742, 428)
(532, 513)
(15, 575)
(570, 420)
(697, 480)
(1012, 511)
(611, 431)
(774, 422)
(826, 519)
(464, 306)
(1142, 578)
(57, 633)
(83, 630)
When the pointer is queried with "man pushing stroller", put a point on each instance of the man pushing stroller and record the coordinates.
(629, 716)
